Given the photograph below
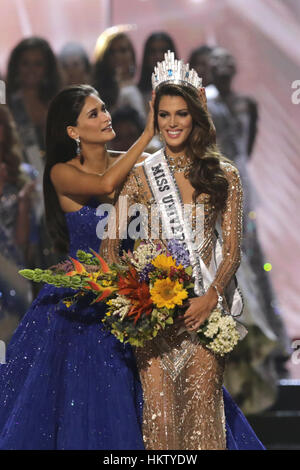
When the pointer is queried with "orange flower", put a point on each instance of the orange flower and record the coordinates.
(138, 292)
(79, 268)
(103, 263)
(103, 291)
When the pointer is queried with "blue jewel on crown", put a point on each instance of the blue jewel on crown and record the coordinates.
(170, 72)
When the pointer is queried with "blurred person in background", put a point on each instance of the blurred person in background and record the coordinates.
(75, 64)
(32, 80)
(199, 60)
(128, 126)
(114, 71)
(15, 215)
(156, 45)
(259, 362)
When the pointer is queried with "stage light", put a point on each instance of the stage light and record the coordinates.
(268, 266)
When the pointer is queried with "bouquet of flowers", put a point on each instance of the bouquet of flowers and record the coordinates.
(143, 294)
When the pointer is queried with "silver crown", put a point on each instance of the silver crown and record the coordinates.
(174, 71)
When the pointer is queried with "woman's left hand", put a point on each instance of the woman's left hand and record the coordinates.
(199, 310)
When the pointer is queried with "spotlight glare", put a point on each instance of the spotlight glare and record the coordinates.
(267, 266)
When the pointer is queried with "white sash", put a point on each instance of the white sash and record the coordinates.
(166, 194)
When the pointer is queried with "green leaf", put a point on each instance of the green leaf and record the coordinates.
(189, 270)
(27, 273)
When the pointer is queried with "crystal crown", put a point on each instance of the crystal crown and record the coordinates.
(174, 71)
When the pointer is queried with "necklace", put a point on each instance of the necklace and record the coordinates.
(179, 164)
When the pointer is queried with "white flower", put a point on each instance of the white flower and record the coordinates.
(143, 255)
(119, 306)
(222, 332)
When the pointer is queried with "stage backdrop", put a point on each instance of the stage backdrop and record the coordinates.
(264, 36)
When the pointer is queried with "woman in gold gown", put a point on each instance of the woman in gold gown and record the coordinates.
(181, 379)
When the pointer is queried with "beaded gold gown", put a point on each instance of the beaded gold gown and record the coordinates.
(181, 379)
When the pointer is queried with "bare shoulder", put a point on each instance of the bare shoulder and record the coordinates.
(62, 170)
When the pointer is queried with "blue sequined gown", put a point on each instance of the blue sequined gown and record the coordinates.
(67, 383)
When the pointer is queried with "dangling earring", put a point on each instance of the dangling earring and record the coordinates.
(78, 150)
(161, 137)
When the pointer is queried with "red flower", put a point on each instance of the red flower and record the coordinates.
(138, 292)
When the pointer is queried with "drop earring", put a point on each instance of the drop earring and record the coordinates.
(78, 150)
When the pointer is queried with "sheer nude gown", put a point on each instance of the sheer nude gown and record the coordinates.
(182, 380)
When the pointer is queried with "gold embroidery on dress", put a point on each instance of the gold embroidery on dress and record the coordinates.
(182, 380)
(174, 351)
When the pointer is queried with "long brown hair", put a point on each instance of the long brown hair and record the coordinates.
(206, 174)
(11, 147)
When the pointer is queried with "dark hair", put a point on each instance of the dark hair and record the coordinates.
(11, 149)
(206, 175)
(105, 76)
(127, 113)
(50, 85)
(74, 48)
(146, 71)
(202, 50)
(63, 112)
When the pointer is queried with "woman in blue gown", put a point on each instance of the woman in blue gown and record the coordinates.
(67, 383)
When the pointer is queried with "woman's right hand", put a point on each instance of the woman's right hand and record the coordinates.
(150, 127)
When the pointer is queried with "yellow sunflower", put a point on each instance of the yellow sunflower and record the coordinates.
(165, 262)
(167, 293)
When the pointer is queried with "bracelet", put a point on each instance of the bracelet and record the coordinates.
(220, 298)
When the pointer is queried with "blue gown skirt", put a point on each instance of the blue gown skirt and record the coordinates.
(67, 383)
(239, 433)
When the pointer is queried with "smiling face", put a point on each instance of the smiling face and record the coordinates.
(93, 123)
(174, 122)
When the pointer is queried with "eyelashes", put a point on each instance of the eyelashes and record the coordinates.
(94, 114)
(181, 114)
